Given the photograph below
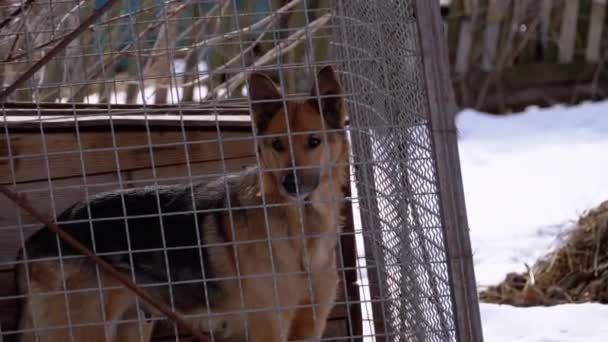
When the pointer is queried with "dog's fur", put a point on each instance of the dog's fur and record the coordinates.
(244, 272)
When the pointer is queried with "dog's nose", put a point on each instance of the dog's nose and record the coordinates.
(289, 183)
(299, 185)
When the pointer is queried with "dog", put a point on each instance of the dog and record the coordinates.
(248, 256)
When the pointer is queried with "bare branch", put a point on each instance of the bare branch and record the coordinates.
(284, 46)
(101, 65)
(204, 19)
(15, 13)
(56, 49)
(70, 12)
(226, 65)
(232, 34)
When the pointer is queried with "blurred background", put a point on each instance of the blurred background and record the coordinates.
(505, 55)
(534, 175)
(510, 54)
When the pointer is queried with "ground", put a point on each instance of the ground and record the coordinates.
(528, 177)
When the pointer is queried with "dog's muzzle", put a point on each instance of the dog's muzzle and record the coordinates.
(298, 185)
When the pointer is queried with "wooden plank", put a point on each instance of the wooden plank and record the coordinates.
(16, 120)
(538, 74)
(201, 171)
(526, 13)
(469, 6)
(567, 37)
(544, 96)
(441, 109)
(233, 106)
(496, 12)
(545, 22)
(465, 42)
(454, 23)
(134, 150)
(596, 26)
(466, 36)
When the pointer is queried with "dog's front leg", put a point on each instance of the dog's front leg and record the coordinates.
(309, 321)
(268, 326)
(267, 319)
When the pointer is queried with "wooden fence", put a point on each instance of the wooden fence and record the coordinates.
(510, 54)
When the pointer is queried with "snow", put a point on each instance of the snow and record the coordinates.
(562, 323)
(527, 177)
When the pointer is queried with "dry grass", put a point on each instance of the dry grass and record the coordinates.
(575, 272)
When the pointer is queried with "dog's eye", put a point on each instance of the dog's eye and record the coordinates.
(278, 146)
(313, 142)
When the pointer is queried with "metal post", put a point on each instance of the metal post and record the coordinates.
(441, 110)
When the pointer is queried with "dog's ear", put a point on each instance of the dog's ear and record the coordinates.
(332, 107)
(266, 99)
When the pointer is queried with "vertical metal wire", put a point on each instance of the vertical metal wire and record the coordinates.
(85, 187)
(54, 211)
(294, 168)
(190, 180)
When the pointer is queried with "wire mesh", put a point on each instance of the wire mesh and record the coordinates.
(377, 43)
(156, 93)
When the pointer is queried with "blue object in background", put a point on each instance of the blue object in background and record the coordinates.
(126, 33)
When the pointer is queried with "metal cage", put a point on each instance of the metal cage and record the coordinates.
(104, 95)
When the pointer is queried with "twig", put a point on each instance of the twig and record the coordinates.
(160, 89)
(101, 24)
(281, 48)
(200, 28)
(55, 50)
(531, 279)
(13, 46)
(139, 11)
(596, 75)
(226, 65)
(161, 40)
(596, 253)
(600, 268)
(11, 58)
(15, 13)
(70, 12)
(207, 17)
(23, 202)
(112, 57)
(506, 58)
(231, 34)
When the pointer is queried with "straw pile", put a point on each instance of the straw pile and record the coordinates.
(575, 272)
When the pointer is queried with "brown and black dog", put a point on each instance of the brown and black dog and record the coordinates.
(249, 256)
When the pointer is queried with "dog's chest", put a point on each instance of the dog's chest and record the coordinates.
(320, 256)
(307, 235)
(319, 253)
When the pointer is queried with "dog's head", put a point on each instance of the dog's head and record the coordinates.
(301, 143)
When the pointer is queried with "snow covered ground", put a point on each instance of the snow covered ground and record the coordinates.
(526, 178)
